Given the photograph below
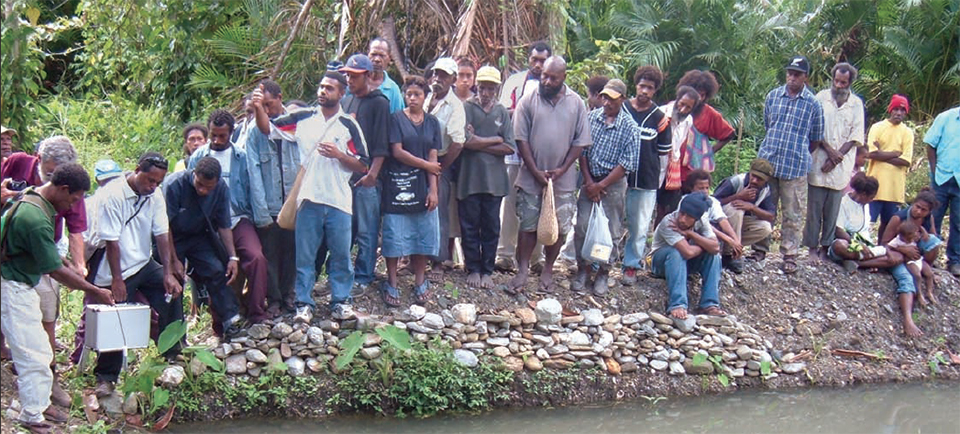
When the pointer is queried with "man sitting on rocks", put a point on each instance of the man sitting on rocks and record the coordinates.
(682, 243)
(749, 207)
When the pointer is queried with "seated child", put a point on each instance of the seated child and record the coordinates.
(922, 274)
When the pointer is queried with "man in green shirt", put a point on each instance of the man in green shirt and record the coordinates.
(29, 252)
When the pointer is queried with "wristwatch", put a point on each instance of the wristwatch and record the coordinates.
(234, 258)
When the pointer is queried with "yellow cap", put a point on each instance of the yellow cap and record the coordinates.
(488, 73)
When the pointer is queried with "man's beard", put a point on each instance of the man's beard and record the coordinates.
(329, 103)
(840, 96)
(677, 116)
(549, 92)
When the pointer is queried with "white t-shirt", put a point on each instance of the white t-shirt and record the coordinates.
(898, 242)
(133, 221)
(853, 218)
(225, 157)
(665, 235)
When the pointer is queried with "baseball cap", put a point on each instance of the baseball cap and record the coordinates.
(446, 64)
(488, 73)
(5, 130)
(761, 169)
(798, 63)
(614, 89)
(106, 169)
(358, 63)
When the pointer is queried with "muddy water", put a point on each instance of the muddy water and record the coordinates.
(912, 408)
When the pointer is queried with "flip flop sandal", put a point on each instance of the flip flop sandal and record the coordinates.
(421, 294)
(713, 311)
(390, 295)
(789, 265)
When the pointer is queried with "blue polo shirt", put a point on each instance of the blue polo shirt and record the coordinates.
(944, 136)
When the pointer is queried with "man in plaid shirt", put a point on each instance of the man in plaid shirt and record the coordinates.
(604, 166)
(794, 121)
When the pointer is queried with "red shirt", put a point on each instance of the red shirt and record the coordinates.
(710, 123)
(24, 167)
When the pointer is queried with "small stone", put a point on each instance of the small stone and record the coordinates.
(660, 318)
(197, 367)
(736, 372)
(634, 318)
(370, 353)
(281, 330)
(492, 319)
(258, 331)
(613, 367)
(314, 365)
(685, 325)
(659, 365)
(412, 313)
(533, 364)
(629, 367)
(574, 319)
(501, 352)
(807, 329)
(793, 368)
(514, 364)
(662, 355)
(744, 352)
(714, 321)
(577, 338)
(466, 358)
(285, 350)
(464, 313)
(236, 364)
(548, 311)
(448, 319)
(329, 326)
(256, 356)
(295, 366)
(753, 365)
(606, 339)
(499, 342)
(131, 405)
(371, 339)
(560, 363)
(112, 404)
(676, 368)
(592, 317)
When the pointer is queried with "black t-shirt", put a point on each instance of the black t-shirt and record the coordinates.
(372, 112)
(655, 137)
(405, 188)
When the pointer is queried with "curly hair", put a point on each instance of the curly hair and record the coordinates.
(649, 72)
(208, 168)
(703, 81)
(415, 80)
(73, 175)
(927, 195)
(693, 177)
(596, 83)
(58, 149)
(221, 118)
(845, 68)
(864, 184)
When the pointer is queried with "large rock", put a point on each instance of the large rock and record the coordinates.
(256, 356)
(465, 358)
(533, 363)
(281, 330)
(432, 321)
(236, 364)
(464, 313)
(685, 325)
(412, 313)
(527, 315)
(259, 331)
(703, 368)
(498, 342)
(660, 318)
(370, 353)
(295, 366)
(549, 311)
(715, 321)
(659, 364)
(315, 335)
(592, 317)
(274, 358)
(793, 368)
(576, 338)
(501, 352)
(371, 339)
(514, 364)
(634, 318)
(171, 377)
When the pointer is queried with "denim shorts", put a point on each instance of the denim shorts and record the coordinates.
(411, 234)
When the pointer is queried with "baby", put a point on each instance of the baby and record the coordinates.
(922, 274)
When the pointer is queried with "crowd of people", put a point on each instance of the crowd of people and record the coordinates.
(401, 170)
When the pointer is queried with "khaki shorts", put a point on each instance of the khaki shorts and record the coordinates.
(49, 291)
(528, 210)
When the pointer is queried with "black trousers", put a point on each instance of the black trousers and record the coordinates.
(279, 247)
(479, 231)
(149, 282)
(207, 269)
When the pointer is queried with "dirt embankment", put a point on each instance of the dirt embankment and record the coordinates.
(844, 327)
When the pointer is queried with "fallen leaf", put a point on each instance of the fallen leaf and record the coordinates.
(90, 406)
(955, 359)
(134, 419)
(164, 420)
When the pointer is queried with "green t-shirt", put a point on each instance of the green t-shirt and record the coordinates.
(30, 247)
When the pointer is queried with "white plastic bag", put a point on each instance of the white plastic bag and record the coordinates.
(597, 244)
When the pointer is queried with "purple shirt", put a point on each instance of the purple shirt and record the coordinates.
(24, 167)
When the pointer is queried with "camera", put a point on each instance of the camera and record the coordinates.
(15, 185)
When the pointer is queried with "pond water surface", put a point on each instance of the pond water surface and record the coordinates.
(932, 407)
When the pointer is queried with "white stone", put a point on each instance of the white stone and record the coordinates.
(171, 377)
(592, 317)
(432, 320)
(466, 358)
(256, 356)
(236, 364)
(634, 318)
(549, 311)
(659, 364)
(295, 366)
(464, 313)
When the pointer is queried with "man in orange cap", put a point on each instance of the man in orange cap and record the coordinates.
(890, 143)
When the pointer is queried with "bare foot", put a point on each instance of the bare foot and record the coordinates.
(921, 300)
(932, 298)
(546, 279)
(678, 313)
(473, 280)
(486, 282)
(516, 285)
(436, 272)
(910, 329)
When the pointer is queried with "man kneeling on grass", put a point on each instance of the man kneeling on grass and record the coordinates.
(683, 243)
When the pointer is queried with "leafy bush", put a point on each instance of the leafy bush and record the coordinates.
(114, 128)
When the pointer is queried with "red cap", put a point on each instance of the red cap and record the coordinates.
(898, 101)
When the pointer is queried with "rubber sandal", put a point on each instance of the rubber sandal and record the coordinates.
(713, 311)
(390, 295)
(789, 265)
(421, 294)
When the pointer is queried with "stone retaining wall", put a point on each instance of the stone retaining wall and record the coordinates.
(531, 339)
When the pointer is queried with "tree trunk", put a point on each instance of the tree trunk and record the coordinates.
(388, 32)
(293, 35)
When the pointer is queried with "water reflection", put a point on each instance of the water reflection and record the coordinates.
(912, 408)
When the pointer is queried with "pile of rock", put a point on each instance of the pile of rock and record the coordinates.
(526, 338)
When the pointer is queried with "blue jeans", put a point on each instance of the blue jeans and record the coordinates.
(668, 263)
(366, 231)
(323, 225)
(948, 195)
(902, 275)
(640, 205)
